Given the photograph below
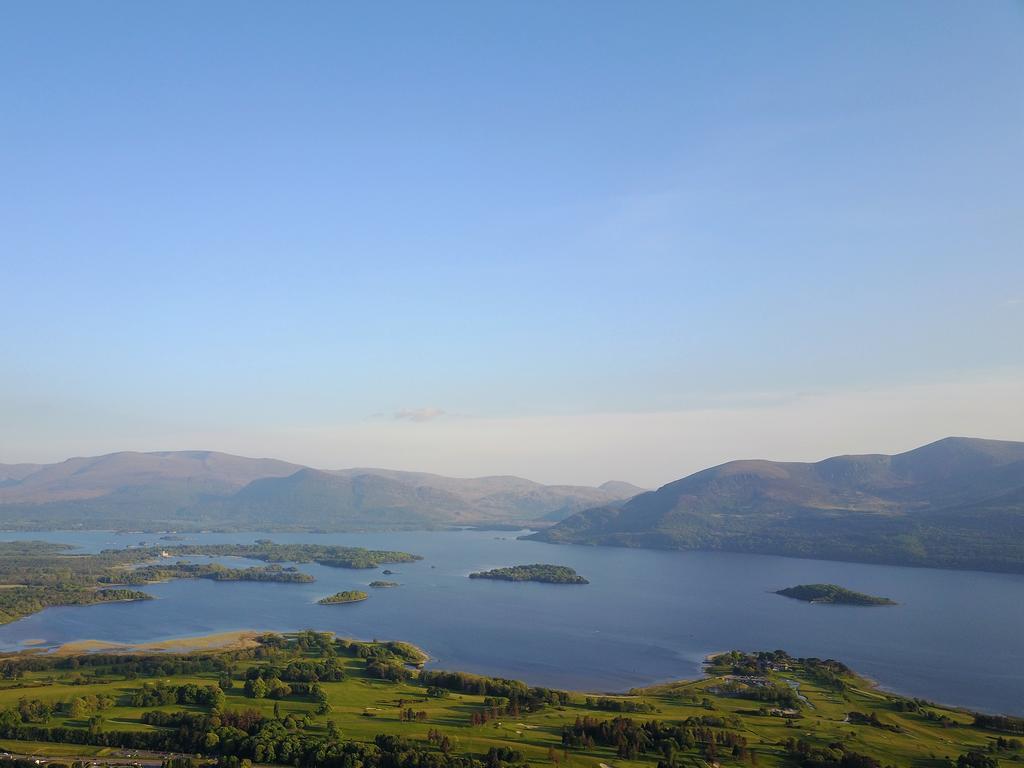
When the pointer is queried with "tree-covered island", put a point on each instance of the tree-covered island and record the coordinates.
(348, 596)
(832, 594)
(383, 584)
(542, 572)
(35, 575)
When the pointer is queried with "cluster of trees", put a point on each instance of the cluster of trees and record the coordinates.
(262, 683)
(974, 759)
(387, 661)
(180, 719)
(631, 738)
(406, 653)
(442, 741)
(1002, 744)
(387, 669)
(410, 715)
(921, 707)
(1000, 723)
(835, 755)
(273, 688)
(782, 695)
(543, 572)
(527, 698)
(328, 671)
(859, 718)
(827, 672)
(310, 640)
(162, 694)
(84, 707)
(28, 711)
(750, 664)
(619, 705)
(493, 708)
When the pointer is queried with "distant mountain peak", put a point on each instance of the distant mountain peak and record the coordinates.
(208, 488)
(621, 488)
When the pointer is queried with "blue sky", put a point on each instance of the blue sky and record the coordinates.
(271, 228)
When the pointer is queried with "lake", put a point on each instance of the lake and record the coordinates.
(956, 636)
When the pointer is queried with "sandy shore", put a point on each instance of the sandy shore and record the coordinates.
(710, 656)
(222, 641)
(218, 642)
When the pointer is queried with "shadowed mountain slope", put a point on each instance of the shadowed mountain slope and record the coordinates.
(958, 503)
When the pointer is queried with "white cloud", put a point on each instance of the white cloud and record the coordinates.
(419, 414)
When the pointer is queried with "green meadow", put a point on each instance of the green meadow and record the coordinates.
(767, 710)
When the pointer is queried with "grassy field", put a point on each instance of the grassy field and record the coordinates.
(49, 749)
(363, 707)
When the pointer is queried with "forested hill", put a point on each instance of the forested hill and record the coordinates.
(956, 503)
(179, 490)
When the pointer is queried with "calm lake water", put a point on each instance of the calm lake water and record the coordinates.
(955, 637)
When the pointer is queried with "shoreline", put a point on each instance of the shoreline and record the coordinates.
(240, 639)
(247, 638)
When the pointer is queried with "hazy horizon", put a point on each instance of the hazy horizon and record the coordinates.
(603, 444)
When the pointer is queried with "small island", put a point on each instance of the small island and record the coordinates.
(832, 594)
(542, 572)
(383, 584)
(349, 596)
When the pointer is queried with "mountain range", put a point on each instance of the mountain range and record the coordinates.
(956, 503)
(178, 490)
